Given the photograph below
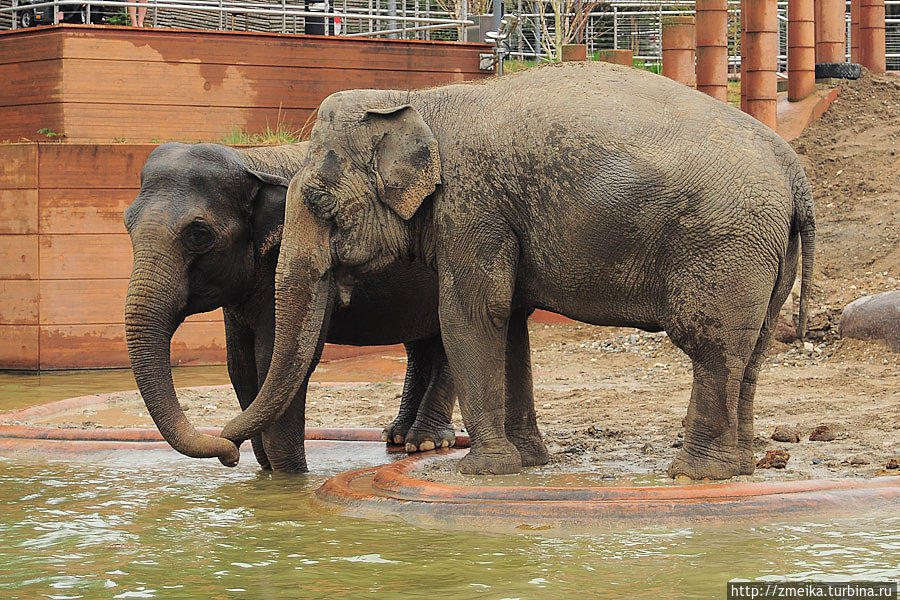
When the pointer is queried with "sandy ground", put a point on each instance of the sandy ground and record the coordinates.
(611, 401)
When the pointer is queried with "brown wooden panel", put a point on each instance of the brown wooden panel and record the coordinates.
(30, 82)
(84, 210)
(19, 211)
(104, 122)
(89, 256)
(103, 346)
(19, 304)
(23, 45)
(231, 48)
(18, 165)
(92, 165)
(21, 123)
(180, 84)
(19, 347)
(19, 257)
(93, 301)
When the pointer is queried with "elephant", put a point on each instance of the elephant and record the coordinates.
(206, 231)
(607, 194)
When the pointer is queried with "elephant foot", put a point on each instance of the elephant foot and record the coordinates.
(395, 433)
(424, 439)
(494, 459)
(531, 449)
(705, 465)
(748, 461)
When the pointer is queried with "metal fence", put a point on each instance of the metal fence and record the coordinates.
(634, 24)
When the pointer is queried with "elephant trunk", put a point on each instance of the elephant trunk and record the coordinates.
(152, 313)
(304, 295)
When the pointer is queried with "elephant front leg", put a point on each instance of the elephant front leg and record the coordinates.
(475, 298)
(284, 439)
(433, 427)
(521, 422)
(419, 358)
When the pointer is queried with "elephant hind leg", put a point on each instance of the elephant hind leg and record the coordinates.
(433, 427)
(748, 385)
(720, 357)
(419, 357)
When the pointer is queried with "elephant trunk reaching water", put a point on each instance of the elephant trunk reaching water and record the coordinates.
(300, 332)
(149, 326)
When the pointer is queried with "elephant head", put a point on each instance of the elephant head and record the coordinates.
(371, 163)
(200, 226)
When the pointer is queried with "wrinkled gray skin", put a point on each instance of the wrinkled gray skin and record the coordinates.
(608, 194)
(206, 230)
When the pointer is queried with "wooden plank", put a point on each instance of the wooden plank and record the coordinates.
(18, 166)
(23, 45)
(104, 346)
(19, 347)
(109, 166)
(230, 48)
(19, 211)
(31, 82)
(84, 210)
(19, 257)
(20, 302)
(121, 82)
(93, 301)
(21, 123)
(88, 256)
(103, 122)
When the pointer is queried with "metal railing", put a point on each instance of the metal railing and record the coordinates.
(346, 20)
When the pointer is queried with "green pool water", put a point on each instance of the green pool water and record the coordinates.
(154, 524)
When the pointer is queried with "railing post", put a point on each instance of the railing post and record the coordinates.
(55, 12)
(801, 49)
(15, 15)
(871, 35)
(463, 16)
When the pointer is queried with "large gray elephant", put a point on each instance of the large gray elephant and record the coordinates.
(206, 230)
(608, 194)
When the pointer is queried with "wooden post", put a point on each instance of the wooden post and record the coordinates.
(761, 55)
(801, 49)
(678, 49)
(871, 35)
(712, 48)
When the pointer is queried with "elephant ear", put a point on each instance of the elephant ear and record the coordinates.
(267, 210)
(405, 162)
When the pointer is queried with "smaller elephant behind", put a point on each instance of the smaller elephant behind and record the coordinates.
(206, 231)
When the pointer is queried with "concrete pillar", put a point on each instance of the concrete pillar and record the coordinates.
(801, 49)
(678, 49)
(871, 35)
(831, 31)
(760, 75)
(571, 52)
(617, 57)
(712, 48)
(854, 30)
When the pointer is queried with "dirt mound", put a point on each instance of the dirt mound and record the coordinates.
(852, 161)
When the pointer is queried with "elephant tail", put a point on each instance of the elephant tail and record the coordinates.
(805, 223)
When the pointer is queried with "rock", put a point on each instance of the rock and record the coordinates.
(822, 434)
(774, 459)
(860, 460)
(893, 463)
(874, 317)
(647, 448)
(817, 461)
(783, 433)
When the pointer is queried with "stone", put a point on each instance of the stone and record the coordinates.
(783, 433)
(892, 464)
(860, 460)
(874, 317)
(774, 459)
(822, 434)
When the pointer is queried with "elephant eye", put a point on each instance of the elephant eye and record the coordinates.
(198, 236)
(320, 202)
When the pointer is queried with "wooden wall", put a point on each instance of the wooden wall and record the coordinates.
(106, 84)
(65, 259)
